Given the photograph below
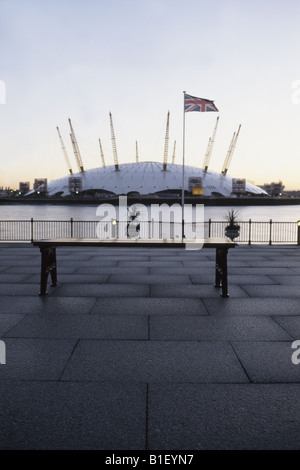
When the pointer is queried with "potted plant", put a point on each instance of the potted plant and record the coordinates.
(133, 226)
(233, 229)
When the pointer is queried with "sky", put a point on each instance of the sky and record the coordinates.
(82, 59)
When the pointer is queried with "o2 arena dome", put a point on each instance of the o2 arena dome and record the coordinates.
(147, 178)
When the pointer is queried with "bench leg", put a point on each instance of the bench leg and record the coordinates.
(221, 271)
(48, 265)
(218, 269)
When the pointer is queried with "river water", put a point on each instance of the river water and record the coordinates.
(280, 213)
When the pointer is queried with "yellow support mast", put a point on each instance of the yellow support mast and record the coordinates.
(76, 148)
(166, 149)
(114, 146)
(65, 152)
(102, 154)
(210, 146)
(230, 152)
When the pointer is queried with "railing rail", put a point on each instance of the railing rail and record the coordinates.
(266, 232)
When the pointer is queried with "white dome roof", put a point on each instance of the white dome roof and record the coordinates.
(148, 178)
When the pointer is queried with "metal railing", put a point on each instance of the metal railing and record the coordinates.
(269, 232)
(259, 232)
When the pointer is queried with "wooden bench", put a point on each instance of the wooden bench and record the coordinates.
(48, 254)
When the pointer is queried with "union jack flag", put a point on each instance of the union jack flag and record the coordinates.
(192, 103)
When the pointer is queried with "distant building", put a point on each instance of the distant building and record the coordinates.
(238, 186)
(40, 185)
(75, 184)
(195, 185)
(24, 187)
(3, 193)
(6, 192)
(292, 193)
(273, 189)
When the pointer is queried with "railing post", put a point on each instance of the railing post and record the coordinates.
(71, 221)
(209, 228)
(298, 233)
(250, 222)
(31, 228)
(270, 240)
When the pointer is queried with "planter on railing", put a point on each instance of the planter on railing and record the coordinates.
(232, 231)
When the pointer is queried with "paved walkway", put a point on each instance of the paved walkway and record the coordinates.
(135, 349)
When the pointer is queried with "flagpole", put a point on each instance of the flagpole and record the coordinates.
(183, 158)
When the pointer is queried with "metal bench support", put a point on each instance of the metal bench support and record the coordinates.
(221, 271)
(48, 266)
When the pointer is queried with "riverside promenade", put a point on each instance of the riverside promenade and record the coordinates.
(135, 349)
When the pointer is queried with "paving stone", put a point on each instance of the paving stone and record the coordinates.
(13, 278)
(294, 270)
(73, 278)
(291, 324)
(279, 263)
(224, 417)
(78, 257)
(268, 362)
(291, 280)
(149, 279)
(191, 256)
(154, 361)
(216, 328)
(45, 304)
(236, 279)
(85, 264)
(18, 289)
(206, 264)
(124, 257)
(72, 416)
(35, 270)
(195, 291)
(26, 251)
(241, 257)
(7, 322)
(19, 261)
(272, 291)
(250, 279)
(149, 264)
(203, 277)
(114, 270)
(36, 359)
(209, 271)
(148, 306)
(175, 258)
(79, 326)
(253, 306)
(102, 290)
(12, 258)
(237, 263)
(260, 271)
